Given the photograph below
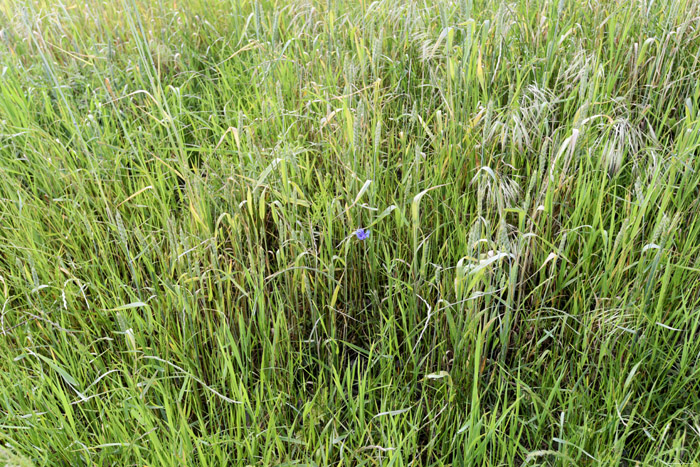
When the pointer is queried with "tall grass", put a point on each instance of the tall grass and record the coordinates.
(180, 183)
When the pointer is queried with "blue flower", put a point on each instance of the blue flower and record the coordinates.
(362, 234)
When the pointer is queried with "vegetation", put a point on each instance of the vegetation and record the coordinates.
(182, 183)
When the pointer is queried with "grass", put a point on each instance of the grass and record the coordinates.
(180, 184)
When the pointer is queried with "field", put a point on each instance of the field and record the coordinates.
(354, 233)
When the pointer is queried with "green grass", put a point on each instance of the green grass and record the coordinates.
(180, 182)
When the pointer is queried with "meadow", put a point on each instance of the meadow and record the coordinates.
(353, 233)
